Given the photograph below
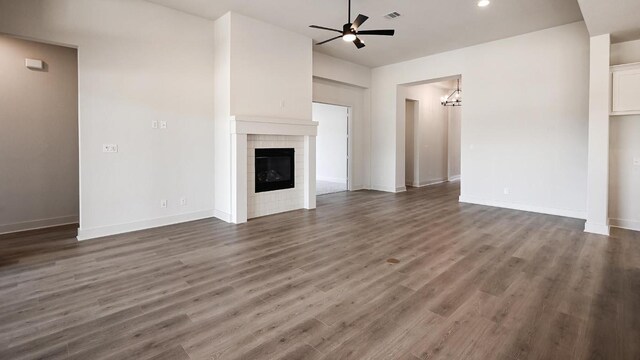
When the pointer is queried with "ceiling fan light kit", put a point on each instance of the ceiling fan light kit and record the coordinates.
(350, 31)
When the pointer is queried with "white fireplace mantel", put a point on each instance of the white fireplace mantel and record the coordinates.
(240, 127)
(272, 126)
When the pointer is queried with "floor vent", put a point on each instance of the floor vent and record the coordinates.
(392, 15)
(393, 261)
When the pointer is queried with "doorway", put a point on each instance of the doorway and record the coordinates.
(332, 148)
(432, 132)
(39, 137)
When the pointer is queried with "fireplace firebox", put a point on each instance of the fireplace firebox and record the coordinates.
(274, 169)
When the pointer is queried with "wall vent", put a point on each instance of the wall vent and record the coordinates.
(392, 15)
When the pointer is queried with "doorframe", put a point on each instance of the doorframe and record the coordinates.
(415, 182)
(349, 142)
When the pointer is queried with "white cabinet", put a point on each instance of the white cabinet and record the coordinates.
(625, 89)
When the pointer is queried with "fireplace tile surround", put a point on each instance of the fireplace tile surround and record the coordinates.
(249, 133)
(272, 202)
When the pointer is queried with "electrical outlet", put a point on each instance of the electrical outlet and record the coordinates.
(163, 203)
(183, 201)
(506, 191)
(163, 124)
(154, 124)
(110, 148)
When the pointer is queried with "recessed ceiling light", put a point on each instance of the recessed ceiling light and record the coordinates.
(483, 3)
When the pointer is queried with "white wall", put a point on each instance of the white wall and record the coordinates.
(262, 71)
(455, 127)
(625, 53)
(39, 136)
(138, 62)
(331, 142)
(328, 67)
(271, 70)
(525, 126)
(431, 133)
(624, 176)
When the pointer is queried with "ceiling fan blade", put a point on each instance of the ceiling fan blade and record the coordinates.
(377, 32)
(359, 44)
(359, 21)
(325, 28)
(326, 41)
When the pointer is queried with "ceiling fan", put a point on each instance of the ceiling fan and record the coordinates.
(350, 30)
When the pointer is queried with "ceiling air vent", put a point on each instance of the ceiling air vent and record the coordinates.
(392, 15)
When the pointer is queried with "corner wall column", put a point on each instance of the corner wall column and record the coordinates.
(310, 172)
(238, 178)
(598, 158)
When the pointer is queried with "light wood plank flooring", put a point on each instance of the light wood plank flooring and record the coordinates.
(464, 282)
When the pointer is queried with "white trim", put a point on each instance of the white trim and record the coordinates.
(224, 216)
(599, 229)
(331, 179)
(576, 214)
(429, 183)
(454, 178)
(401, 189)
(384, 188)
(86, 234)
(272, 126)
(38, 224)
(625, 224)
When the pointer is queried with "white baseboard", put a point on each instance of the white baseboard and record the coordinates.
(86, 234)
(401, 189)
(383, 188)
(523, 207)
(224, 216)
(428, 183)
(599, 229)
(625, 224)
(454, 178)
(38, 224)
(330, 179)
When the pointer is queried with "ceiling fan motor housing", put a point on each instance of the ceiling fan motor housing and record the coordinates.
(347, 29)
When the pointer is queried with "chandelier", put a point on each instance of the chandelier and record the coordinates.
(455, 99)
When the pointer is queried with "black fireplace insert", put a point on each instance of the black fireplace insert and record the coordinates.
(275, 169)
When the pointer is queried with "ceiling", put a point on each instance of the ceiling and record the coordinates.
(426, 26)
(620, 18)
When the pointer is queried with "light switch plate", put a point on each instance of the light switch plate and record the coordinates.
(154, 124)
(163, 124)
(636, 161)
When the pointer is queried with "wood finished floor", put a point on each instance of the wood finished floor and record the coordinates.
(472, 282)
